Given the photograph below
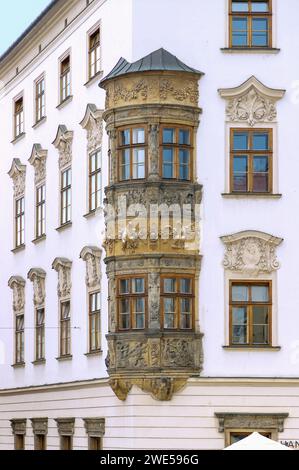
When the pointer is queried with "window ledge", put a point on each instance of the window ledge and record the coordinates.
(252, 348)
(64, 358)
(19, 137)
(39, 123)
(64, 226)
(93, 79)
(93, 212)
(94, 353)
(252, 195)
(250, 50)
(39, 362)
(18, 248)
(39, 239)
(65, 102)
(19, 365)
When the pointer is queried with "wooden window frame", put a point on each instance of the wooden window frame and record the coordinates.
(62, 75)
(97, 315)
(250, 304)
(250, 15)
(63, 438)
(19, 338)
(178, 296)
(40, 211)
(131, 297)
(93, 175)
(40, 442)
(250, 154)
(95, 439)
(68, 191)
(40, 103)
(19, 222)
(19, 441)
(19, 117)
(177, 147)
(97, 49)
(39, 330)
(65, 344)
(132, 147)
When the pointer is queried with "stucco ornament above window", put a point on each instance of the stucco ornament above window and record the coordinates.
(92, 256)
(17, 284)
(38, 160)
(17, 173)
(251, 252)
(93, 124)
(63, 267)
(63, 142)
(37, 276)
(251, 103)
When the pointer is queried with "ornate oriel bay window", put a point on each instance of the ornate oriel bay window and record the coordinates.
(152, 116)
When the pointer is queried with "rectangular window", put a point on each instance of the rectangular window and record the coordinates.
(19, 442)
(66, 196)
(65, 328)
(251, 163)
(40, 334)
(20, 221)
(65, 79)
(238, 436)
(95, 322)
(250, 23)
(95, 181)
(132, 151)
(66, 443)
(177, 300)
(40, 229)
(177, 153)
(132, 303)
(250, 313)
(40, 442)
(94, 53)
(40, 105)
(95, 443)
(19, 117)
(19, 341)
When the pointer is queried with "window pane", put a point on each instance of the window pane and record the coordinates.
(239, 32)
(260, 174)
(184, 137)
(125, 137)
(138, 286)
(124, 286)
(239, 316)
(184, 156)
(169, 286)
(240, 294)
(168, 136)
(168, 163)
(185, 305)
(260, 142)
(240, 141)
(260, 293)
(169, 305)
(260, 315)
(258, 7)
(260, 334)
(125, 167)
(239, 335)
(169, 315)
(138, 136)
(240, 169)
(259, 24)
(139, 305)
(260, 39)
(186, 286)
(138, 163)
(240, 6)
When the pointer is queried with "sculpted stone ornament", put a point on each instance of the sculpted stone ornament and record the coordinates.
(39, 426)
(17, 173)
(38, 160)
(161, 388)
(251, 252)
(37, 277)
(93, 124)
(252, 102)
(63, 142)
(17, 284)
(63, 267)
(92, 256)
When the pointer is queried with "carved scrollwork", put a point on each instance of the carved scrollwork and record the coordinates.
(38, 160)
(37, 276)
(17, 173)
(63, 142)
(92, 257)
(93, 124)
(63, 267)
(17, 284)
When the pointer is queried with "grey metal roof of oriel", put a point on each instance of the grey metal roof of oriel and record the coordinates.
(159, 60)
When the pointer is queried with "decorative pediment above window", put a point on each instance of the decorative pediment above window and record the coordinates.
(251, 421)
(95, 427)
(63, 267)
(18, 426)
(251, 103)
(40, 426)
(92, 256)
(37, 277)
(17, 173)
(66, 426)
(93, 124)
(17, 284)
(63, 142)
(251, 252)
(38, 161)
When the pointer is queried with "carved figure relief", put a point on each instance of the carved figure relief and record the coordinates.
(93, 124)
(63, 267)
(37, 277)
(38, 160)
(63, 142)
(17, 284)
(92, 257)
(17, 173)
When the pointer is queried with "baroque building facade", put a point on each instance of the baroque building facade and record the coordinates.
(149, 258)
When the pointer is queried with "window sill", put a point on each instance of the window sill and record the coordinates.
(64, 226)
(18, 248)
(94, 79)
(98, 352)
(39, 123)
(93, 212)
(39, 239)
(39, 362)
(252, 348)
(250, 50)
(252, 195)
(19, 365)
(65, 102)
(19, 137)
(64, 358)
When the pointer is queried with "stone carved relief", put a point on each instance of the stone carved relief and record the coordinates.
(37, 277)
(18, 426)
(189, 91)
(160, 388)
(112, 304)
(63, 142)
(251, 252)
(251, 103)
(66, 426)
(138, 90)
(178, 353)
(38, 160)
(95, 427)
(131, 355)
(63, 267)
(40, 426)
(121, 387)
(17, 284)
(93, 124)
(251, 421)
(92, 256)
(154, 299)
(153, 150)
(17, 173)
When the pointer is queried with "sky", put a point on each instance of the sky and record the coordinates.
(15, 17)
